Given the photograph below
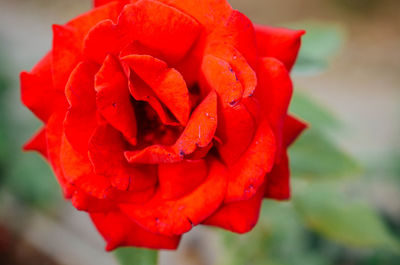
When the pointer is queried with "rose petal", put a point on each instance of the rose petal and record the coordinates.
(248, 173)
(238, 217)
(242, 69)
(106, 152)
(201, 127)
(68, 40)
(170, 31)
(238, 31)
(236, 129)
(278, 181)
(97, 3)
(292, 128)
(167, 83)
(112, 40)
(78, 171)
(54, 132)
(38, 143)
(208, 12)
(142, 92)
(154, 154)
(113, 99)
(219, 76)
(38, 93)
(175, 217)
(178, 179)
(118, 231)
(83, 202)
(280, 43)
(80, 120)
(274, 94)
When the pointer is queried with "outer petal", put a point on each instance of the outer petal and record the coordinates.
(238, 31)
(236, 130)
(97, 3)
(80, 120)
(167, 83)
(175, 217)
(78, 171)
(209, 13)
(178, 179)
(248, 174)
(112, 40)
(83, 202)
(170, 31)
(38, 143)
(113, 99)
(274, 93)
(68, 40)
(54, 132)
(201, 127)
(280, 43)
(292, 128)
(118, 230)
(106, 152)
(238, 217)
(37, 91)
(278, 181)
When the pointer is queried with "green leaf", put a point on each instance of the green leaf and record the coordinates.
(338, 218)
(322, 41)
(136, 256)
(315, 155)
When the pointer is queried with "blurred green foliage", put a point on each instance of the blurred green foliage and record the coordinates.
(327, 222)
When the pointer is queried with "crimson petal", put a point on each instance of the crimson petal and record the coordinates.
(274, 94)
(171, 31)
(278, 181)
(238, 217)
(219, 76)
(178, 179)
(54, 132)
(80, 120)
(201, 127)
(167, 83)
(175, 217)
(108, 160)
(209, 13)
(38, 93)
(118, 231)
(38, 143)
(280, 43)
(113, 99)
(68, 40)
(78, 171)
(248, 173)
(154, 154)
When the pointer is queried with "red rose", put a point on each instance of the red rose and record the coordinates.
(160, 115)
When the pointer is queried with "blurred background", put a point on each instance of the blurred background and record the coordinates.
(345, 208)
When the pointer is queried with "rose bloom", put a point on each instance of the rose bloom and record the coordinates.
(160, 115)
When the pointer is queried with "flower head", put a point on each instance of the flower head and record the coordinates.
(160, 115)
